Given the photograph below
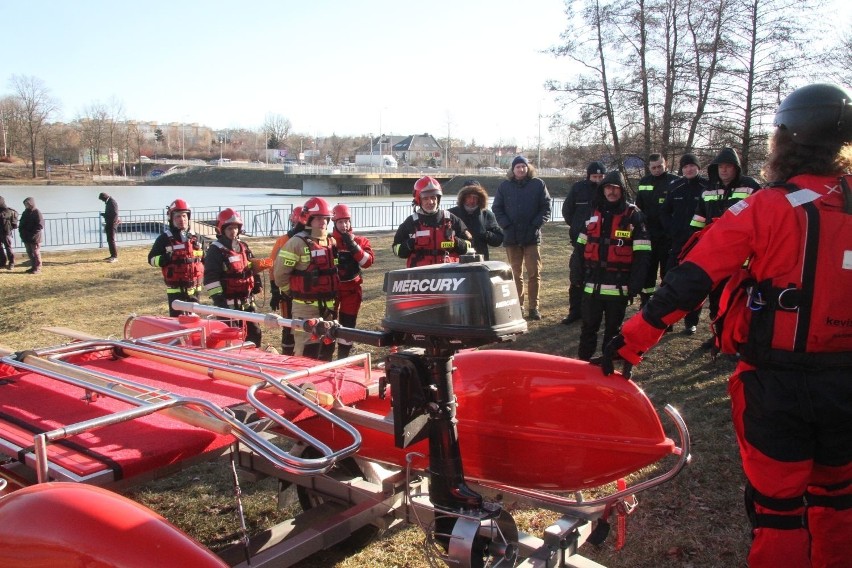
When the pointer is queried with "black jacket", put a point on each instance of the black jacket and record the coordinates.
(578, 206)
(31, 224)
(481, 224)
(679, 208)
(650, 197)
(522, 208)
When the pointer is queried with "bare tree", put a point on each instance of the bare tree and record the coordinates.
(36, 106)
(277, 129)
(93, 126)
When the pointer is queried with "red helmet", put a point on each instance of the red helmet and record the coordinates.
(316, 207)
(296, 215)
(339, 212)
(178, 206)
(228, 217)
(426, 186)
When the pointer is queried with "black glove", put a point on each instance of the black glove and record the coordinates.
(219, 301)
(165, 259)
(461, 245)
(610, 354)
(258, 286)
(347, 239)
(275, 300)
(409, 244)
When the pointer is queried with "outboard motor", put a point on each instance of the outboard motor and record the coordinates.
(440, 309)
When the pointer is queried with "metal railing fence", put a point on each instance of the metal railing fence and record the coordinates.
(81, 230)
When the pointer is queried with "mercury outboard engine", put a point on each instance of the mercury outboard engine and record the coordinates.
(440, 309)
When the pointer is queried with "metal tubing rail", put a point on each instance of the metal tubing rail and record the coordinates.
(42, 440)
(270, 320)
(266, 380)
(216, 355)
(285, 460)
(593, 508)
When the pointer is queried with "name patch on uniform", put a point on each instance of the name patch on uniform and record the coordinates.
(738, 207)
(592, 219)
(318, 252)
(622, 234)
(847, 260)
(235, 258)
(179, 246)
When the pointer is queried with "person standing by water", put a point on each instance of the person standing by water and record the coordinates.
(179, 254)
(111, 221)
(472, 209)
(8, 223)
(30, 228)
(522, 207)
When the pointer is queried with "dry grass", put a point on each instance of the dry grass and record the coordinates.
(695, 520)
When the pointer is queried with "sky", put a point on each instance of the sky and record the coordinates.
(473, 68)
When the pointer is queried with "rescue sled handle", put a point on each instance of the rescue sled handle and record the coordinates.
(330, 330)
(595, 507)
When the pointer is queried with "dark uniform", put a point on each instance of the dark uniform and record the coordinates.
(676, 215)
(616, 252)
(650, 197)
(718, 198)
(576, 208)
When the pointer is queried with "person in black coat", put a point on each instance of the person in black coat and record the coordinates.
(111, 222)
(30, 228)
(8, 223)
(576, 210)
(481, 223)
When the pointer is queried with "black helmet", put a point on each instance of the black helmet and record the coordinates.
(817, 115)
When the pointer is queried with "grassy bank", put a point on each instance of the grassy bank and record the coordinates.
(695, 520)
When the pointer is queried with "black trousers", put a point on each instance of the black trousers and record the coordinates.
(596, 309)
(172, 296)
(575, 282)
(7, 255)
(109, 230)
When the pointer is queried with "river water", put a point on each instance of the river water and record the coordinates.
(83, 200)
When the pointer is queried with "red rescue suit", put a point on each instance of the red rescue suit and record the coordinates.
(185, 271)
(320, 280)
(433, 245)
(791, 394)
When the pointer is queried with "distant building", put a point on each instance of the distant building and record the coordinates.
(419, 149)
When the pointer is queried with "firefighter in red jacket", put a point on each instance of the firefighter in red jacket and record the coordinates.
(179, 254)
(306, 272)
(788, 315)
(430, 235)
(231, 271)
(355, 253)
(616, 252)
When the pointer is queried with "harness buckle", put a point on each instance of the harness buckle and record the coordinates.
(754, 299)
(794, 298)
